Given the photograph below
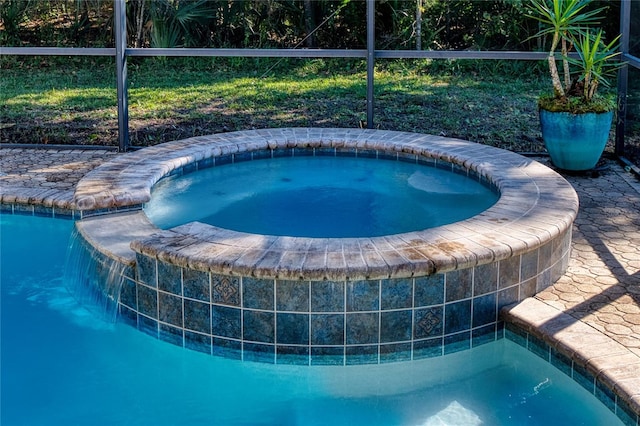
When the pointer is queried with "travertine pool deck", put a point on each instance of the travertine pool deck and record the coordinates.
(592, 313)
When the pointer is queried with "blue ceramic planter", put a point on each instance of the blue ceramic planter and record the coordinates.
(575, 141)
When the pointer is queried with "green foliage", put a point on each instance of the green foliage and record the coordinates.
(335, 24)
(568, 22)
(179, 23)
(12, 14)
(577, 105)
(596, 61)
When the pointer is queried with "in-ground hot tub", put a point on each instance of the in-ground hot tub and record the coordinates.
(313, 300)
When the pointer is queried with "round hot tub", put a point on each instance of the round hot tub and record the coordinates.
(321, 195)
(328, 299)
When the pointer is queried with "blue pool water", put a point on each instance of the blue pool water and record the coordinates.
(319, 197)
(62, 366)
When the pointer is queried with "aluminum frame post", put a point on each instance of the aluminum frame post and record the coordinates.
(623, 77)
(120, 20)
(371, 52)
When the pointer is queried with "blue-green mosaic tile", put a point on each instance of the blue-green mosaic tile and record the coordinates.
(458, 284)
(357, 355)
(508, 297)
(146, 270)
(515, 334)
(191, 167)
(509, 272)
(427, 161)
(240, 157)
(148, 301)
(367, 153)
(223, 159)
(258, 353)
(606, 396)
(406, 157)
(561, 362)
(396, 293)
(428, 322)
(429, 290)
(170, 309)
(539, 347)
(127, 316)
(485, 278)
(226, 322)
(128, 295)
(457, 316)
(292, 329)
(197, 316)
(345, 152)
(443, 165)
(262, 154)
(327, 329)
(583, 377)
(195, 284)
(326, 152)
(205, 163)
(170, 278)
(363, 295)
(327, 355)
(257, 293)
(148, 326)
(457, 342)
(259, 326)
(294, 355)
(386, 155)
(225, 290)
(197, 342)
(282, 152)
(428, 348)
(327, 296)
(292, 295)
(302, 152)
(543, 280)
(226, 348)
(362, 328)
(171, 334)
(529, 265)
(626, 414)
(528, 288)
(42, 211)
(395, 326)
(483, 335)
(544, 257)
(395, 352)
(23, 209)
(60, 213)
(484, 310)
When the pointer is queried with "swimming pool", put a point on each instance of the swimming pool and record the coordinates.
(61, 365)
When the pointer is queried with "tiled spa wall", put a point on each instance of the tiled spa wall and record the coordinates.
(326, 322)
(574, 370)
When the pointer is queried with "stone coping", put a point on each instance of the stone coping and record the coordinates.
(536, 206)
(608, 361)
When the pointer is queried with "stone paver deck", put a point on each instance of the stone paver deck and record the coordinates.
(601, 288)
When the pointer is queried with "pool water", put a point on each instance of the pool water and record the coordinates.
(319, 197)
(62, 366)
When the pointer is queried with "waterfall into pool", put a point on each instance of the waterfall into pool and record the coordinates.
(93, 279)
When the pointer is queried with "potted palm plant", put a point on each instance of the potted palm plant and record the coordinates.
(575, 119)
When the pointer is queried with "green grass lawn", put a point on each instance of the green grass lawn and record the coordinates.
(73, 101)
